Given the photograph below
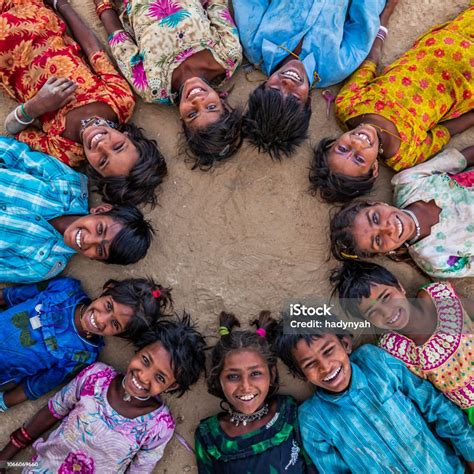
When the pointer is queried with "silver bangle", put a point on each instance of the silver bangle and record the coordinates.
(18, 119)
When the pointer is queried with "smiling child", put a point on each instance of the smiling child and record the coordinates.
(369, 413)
(45, 219)
(58, 327)
(112, 422)
(258, 431)
(432, 334)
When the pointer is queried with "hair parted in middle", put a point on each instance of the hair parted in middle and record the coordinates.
(234, 340)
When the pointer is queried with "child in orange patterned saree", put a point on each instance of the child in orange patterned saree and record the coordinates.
(81, 102)
(432, 334)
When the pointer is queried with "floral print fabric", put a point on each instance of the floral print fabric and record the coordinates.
(33, 47)
(448, 252)
(445, 359)
(430, 83)
(93, 437)
(161, 34)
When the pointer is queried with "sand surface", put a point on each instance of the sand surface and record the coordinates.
(242, 238)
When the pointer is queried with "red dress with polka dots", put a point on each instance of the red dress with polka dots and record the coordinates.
(430, 83)
(33, 47)
(446, 358)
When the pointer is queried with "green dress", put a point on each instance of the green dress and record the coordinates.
(274, 448)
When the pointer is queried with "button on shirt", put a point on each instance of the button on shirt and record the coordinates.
(380, 423)
(337, 34)
(35, 188)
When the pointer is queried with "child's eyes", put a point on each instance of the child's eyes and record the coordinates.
(192, 114)
(342, 149)
(102, 162)
(256, 373)
(359, 159)
(160, 379)
(232, 377)
(375, 218)
(212, 107)
(109, 306)
(118, 147)
(115, 324)
(145, 360)
(328, 351)
(378, 240)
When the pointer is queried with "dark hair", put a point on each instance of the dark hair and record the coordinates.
(148, 300)
(343, 245)
(131, 244)
(237, 340)
(275, 124)
(216, 142)
(284, 344)
(185, 345)
(147, 173)
(335, 187)
(353, 281)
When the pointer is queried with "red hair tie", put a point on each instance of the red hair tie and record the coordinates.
(156, 294)
(261, 332)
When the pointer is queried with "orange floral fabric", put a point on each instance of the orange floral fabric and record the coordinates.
(33, 47)
(430, 83)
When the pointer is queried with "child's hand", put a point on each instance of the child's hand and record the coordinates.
(54, 94)
(387, 11)
(470, 467)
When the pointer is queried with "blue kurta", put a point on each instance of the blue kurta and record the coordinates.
(388, 420)
(40, 346)
(337, 34)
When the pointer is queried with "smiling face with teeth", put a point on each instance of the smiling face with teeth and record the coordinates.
(245, 380)
(108, 151)
(387, 307)
(150, 372)
(355, 153)
(381, 228)
(325, 361)
(291, 81)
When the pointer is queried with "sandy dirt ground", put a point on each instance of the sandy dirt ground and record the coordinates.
(242, 238)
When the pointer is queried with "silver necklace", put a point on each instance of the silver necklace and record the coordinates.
(127, 397)
(236, 417)
(417, 225)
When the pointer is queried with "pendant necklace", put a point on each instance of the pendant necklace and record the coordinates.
(127, 397)
(237, 418)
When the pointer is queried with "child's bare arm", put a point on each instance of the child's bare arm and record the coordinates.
(41, 422)
(109, 19)
(375, 54)
(459, 124)
(469, 155)
(15, 396)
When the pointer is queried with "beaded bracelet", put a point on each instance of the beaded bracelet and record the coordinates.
(18, 119)
(103, 6)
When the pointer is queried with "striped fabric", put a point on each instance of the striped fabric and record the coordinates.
(380, 424)
(35, 188)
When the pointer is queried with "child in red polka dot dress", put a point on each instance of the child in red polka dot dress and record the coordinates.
(432, 333)
(403, 116)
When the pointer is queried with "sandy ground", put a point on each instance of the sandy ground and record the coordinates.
(244, 237)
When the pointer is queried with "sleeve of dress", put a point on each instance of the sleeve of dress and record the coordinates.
(42, 382)
(223, 28)
(61, 403)
(448, 420)
(152, 450)
(448, 161)
(324, 455)
(360, 29)
(352, 90)
(203, 460)
(118, 87)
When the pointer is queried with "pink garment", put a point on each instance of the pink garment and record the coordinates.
(465, 179)
(93, 437)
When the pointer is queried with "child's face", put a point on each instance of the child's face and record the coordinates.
(387, 307)
(291, 81)
(105, 317)
(245, 380)
(381, 228)
(355, 152)
(325, 361)
(150, 372)
(200, 105)
(92, 235)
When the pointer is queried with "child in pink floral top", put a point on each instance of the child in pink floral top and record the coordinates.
(112, 422)
(432, 334)
(170, 51)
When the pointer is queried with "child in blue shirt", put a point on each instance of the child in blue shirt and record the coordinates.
(45, 219)
(52, 330)
(370, 413)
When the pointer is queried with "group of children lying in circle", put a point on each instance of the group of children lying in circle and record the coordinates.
(406, 406)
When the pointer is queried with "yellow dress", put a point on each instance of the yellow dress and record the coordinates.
(430, 83)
